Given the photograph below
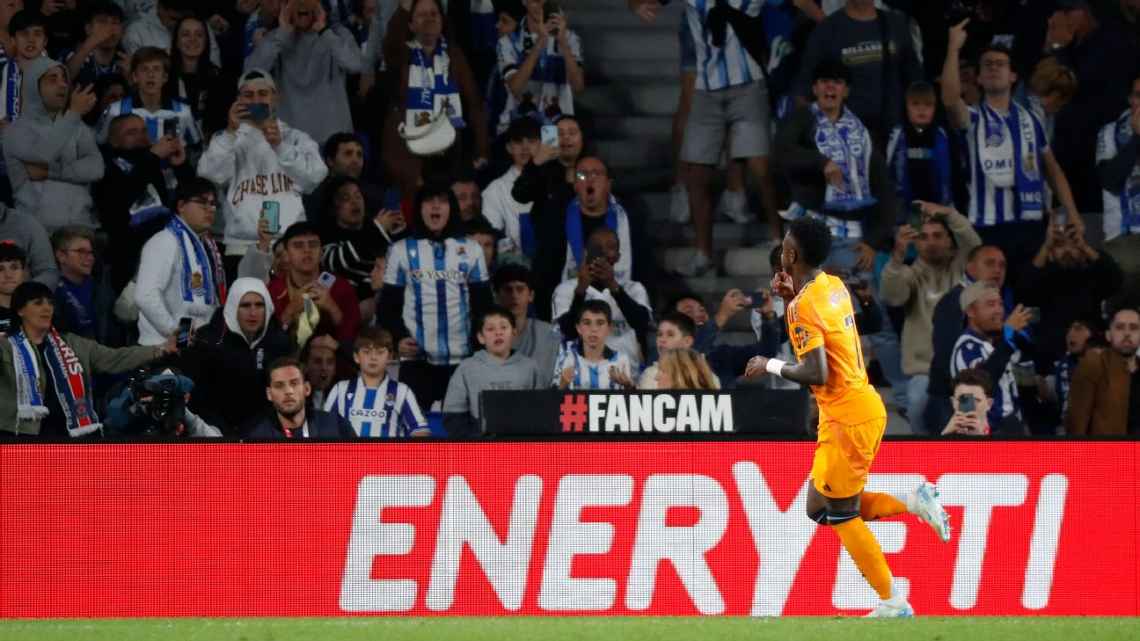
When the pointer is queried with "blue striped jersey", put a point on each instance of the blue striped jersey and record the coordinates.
(728, 66)
(591, 375)
(436, 277)
(991, 205)
(386, 411)
(10, 79)
(972, 350)
(188, 129)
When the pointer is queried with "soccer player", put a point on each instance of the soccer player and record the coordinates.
(852, 418)
(377, 406)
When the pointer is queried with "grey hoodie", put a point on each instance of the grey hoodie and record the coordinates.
(62, 142)
(482, 372)
(29, 235)
(310, 70)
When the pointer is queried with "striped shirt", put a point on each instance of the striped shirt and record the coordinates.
(724, 67)
(991, 205)
(10, 79)
(590, 375)
(437, 276)
(155, 120)
(972, 350)
(386, 411)
(1121, 210)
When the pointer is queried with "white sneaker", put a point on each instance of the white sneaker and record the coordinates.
(734, 206)
(888, 610)
(697, 266)
(923, 502)
(679, 204)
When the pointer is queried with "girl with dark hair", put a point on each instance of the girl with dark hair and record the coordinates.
(194, 79)
(435, 285)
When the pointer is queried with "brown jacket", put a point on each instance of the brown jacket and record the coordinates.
(1099, 394)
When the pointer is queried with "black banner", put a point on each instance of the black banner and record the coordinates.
(566, 414)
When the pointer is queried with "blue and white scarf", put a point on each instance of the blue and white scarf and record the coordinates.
(898, 152)
(617, 220)
(67, 378)
(203, 278)
(847, 143)
(1130, 192)
(1009, 156)
(432, 88)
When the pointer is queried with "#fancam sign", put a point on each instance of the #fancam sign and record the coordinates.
(646, 413)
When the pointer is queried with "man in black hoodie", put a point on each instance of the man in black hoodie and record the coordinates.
(132, 191)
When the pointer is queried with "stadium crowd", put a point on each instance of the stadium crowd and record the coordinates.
(341, 218)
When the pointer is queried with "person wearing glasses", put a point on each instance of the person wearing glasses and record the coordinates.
(180, 273)
(83, 302)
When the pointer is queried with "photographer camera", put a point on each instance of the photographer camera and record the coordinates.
(152, 404)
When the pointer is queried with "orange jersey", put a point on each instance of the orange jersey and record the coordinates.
(822, 315)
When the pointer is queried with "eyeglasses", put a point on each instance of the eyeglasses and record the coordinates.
(204, 202)
(589, 175)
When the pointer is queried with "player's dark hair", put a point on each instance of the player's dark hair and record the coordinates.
(813, 239)
(496, 311)
(282, 363)
(774, 260)
(680, 321)
(595, 307)
(976, 377)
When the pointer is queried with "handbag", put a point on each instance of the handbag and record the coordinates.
(431, 138)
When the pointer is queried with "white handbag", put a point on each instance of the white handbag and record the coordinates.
(431, 138)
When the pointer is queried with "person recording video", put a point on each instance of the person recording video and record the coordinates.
(973, 397)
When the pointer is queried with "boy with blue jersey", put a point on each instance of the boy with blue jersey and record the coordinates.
(375, 404)
(586, 363)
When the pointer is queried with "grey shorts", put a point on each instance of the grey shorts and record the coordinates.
(741, 113)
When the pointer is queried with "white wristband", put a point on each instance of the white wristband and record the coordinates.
(775, 366)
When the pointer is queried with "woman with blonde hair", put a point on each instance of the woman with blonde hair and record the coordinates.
(685, 369)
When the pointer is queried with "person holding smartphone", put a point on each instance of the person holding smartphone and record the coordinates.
(973, 397)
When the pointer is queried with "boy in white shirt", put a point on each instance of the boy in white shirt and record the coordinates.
(500, 208)
(586, 363)
(376, 405)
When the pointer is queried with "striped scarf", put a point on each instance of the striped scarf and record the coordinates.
(431, 87)
(203, 277)
(847, 143)
(67, 377)
(616, 219)
(1008, 155)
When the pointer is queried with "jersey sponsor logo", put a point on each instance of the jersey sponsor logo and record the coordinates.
(458, 276)
(365, 413)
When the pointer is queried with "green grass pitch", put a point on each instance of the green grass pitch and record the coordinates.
(574, 628)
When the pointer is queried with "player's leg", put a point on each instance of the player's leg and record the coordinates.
(922, 502)
(842, 460)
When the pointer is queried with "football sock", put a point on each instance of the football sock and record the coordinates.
(876, 505)
(864, 549)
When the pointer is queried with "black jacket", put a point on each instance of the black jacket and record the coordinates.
(546, 187)
(228, 375)
(322, 425)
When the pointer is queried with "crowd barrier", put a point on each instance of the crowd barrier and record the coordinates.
(540, 528)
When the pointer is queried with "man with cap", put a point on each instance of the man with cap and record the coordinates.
(990, 342)
(264, 165)
(46, 377)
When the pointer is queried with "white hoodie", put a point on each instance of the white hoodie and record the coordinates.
(253, 172)
(238, 289)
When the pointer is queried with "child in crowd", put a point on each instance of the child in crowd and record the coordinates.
(13, 272)
(918, 154)
(586, 363)
(684, 369)
(533, 337)
(481, 231)
(377, 406)
(505, 213)
(495, 367)
(674, 331)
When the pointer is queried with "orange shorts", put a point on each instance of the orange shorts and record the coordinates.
(843, 456)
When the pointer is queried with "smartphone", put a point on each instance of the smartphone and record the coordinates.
(184, 327)
(392, 199)
(1061, 217)
(550, 8)
(549, 136)
(759, 299)
(592, 255)
(967, 403)
(326, 280)
(258, 111)
(1034, 314)
(915, 219)
(170, 127)
(271, 211)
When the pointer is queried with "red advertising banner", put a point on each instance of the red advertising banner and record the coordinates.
(551, 528)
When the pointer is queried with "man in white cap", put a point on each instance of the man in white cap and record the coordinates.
(264, 164)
